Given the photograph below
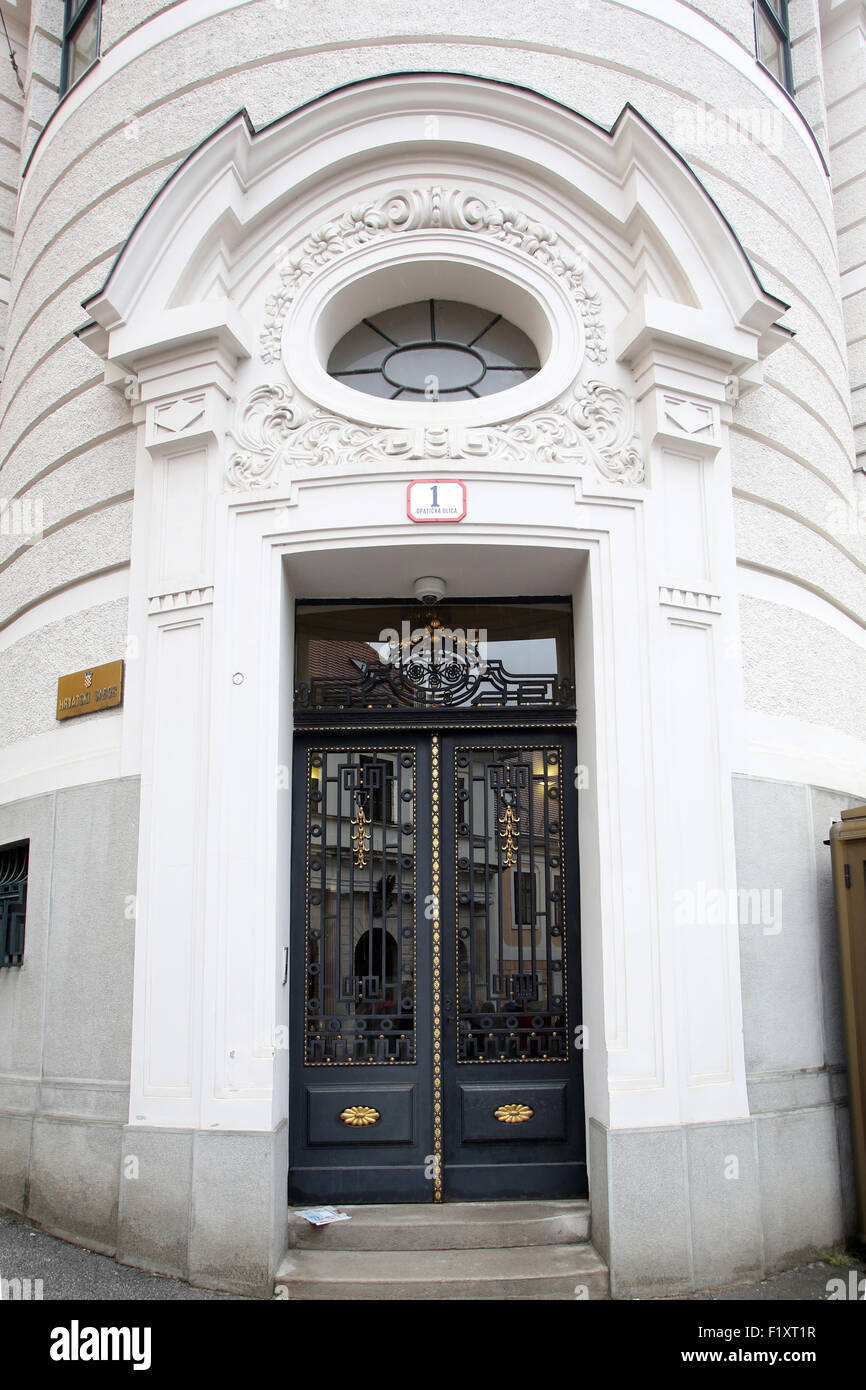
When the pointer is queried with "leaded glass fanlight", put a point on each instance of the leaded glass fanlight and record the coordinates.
(434, 349)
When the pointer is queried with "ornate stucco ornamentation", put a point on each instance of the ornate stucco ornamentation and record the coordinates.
(418, 209)
(277, 428)
(593, 424)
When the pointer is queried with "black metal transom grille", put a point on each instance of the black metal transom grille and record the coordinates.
(14, 861)
(437, 684)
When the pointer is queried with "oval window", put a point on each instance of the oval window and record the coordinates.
(434, 349)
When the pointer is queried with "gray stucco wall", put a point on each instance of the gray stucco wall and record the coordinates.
(66, 1014)
(210, 1207)
(676, 1209)
(792, 1002)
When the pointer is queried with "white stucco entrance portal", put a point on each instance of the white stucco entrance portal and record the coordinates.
(262, 480)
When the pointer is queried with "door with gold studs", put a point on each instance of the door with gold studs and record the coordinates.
(512, 1037)
(434, 968)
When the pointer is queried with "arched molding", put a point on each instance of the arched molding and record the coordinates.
(629, 178)
(634, 273)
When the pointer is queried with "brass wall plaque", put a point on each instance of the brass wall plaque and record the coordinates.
(85, 692)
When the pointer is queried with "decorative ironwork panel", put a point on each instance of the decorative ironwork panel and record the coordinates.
(448, 684)
(13, 902)
(511, 910)
(433, 667)
(360, 906)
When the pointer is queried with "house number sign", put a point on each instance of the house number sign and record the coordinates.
(436, 499)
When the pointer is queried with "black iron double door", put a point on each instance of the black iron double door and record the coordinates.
(435, 1041)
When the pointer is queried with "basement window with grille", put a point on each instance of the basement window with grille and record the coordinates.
(14, 863)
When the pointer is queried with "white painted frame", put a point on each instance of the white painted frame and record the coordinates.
(647, 553)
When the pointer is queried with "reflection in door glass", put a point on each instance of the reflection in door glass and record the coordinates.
(511, 987)
(360, 919)
(483, 654)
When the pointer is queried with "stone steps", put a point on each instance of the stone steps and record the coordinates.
(475, 1250)
(452, 1226)
(548, 1271)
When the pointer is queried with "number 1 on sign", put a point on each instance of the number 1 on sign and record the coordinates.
(436, 499)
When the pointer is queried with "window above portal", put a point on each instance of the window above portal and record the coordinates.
(431, 350)
(429, 331)
(482, 654)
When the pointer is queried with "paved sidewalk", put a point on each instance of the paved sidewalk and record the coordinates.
(808, 1282)
(71, 1272)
